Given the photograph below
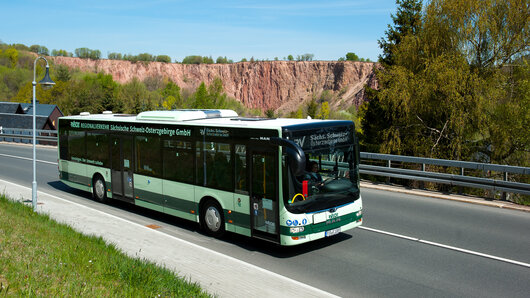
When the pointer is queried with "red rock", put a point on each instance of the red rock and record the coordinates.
(278, 85)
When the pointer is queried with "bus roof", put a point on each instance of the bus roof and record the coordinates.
(208, 117)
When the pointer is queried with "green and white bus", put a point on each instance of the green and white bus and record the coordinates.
(244, 175)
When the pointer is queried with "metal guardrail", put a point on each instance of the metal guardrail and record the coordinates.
(50, 136)
(444, 178)
(20, 135)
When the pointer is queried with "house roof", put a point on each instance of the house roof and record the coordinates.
(10, 107)
(42, 109)
(22, 121)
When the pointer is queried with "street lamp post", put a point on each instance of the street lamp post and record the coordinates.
(46, 82)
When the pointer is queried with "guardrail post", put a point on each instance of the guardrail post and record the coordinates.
(422, 184)
(389, 164)
(460, 188)
(504, 196)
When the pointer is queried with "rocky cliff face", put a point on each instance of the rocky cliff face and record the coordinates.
(278, 85)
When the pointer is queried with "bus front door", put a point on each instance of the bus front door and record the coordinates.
(264, 195)
(122, 168)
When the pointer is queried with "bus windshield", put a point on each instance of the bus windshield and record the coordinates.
(331, 176)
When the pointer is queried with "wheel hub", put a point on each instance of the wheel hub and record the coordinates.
(213, 219)
(100, 189)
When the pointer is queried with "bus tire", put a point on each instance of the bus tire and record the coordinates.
(212, 219)
(99, 190)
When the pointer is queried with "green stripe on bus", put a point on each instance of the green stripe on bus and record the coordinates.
(323, 226)
(238, 219)
(77, 179)
(76, 185)
(172, 202)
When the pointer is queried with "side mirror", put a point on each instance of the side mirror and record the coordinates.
(295, 154)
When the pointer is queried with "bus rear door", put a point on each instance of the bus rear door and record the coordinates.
(122, 168)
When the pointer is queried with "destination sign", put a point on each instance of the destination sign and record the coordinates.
(134, 128)
(322, 137)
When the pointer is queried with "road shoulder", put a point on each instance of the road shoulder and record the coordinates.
(452, 197)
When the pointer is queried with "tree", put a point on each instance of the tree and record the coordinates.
(445, 91)
(95, 54)
(172, 98)
(114, 56)
(426, 117)
(352, 57)
(201, 97)
(207, 60)
(223, 60)
(217, 97)
(154, 82)
(40, 50)
(12, 83)
(62, 73)
(20, 47)
(324, 111)
(376, 119)
(312, 107)
(407, 21)
(10, 55)
(62, 53)
(146, 57)
(192, 60)
(304, 57)
(81, 52)
(290, 58)
(87, 53)
(505, 137)
(134, 97)
(488, 32)
(299, 113)
(163, 58)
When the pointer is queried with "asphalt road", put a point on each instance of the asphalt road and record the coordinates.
(362, 262)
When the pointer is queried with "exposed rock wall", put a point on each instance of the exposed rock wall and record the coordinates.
(278, 85)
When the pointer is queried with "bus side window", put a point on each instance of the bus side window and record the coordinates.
(63, 141)
(214, 162)
(99, 149)
(178, 161)
(148, 156)
(240, 162)
(76, 146)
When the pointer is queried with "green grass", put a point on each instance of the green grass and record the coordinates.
(40, 257)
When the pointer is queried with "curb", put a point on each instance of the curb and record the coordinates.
(452, 197)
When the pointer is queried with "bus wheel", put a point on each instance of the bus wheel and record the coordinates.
(99, 189)
(213, 219)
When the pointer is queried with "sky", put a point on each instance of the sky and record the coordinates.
(234, 29)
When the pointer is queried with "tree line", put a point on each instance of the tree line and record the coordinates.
(95, 54)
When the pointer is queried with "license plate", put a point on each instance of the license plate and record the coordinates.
(332, 232)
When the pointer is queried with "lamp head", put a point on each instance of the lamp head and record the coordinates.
(47, 82)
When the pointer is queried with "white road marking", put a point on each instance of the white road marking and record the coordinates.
(467, 251)
(27, 158)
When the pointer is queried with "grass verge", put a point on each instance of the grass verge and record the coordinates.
(40, 257)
